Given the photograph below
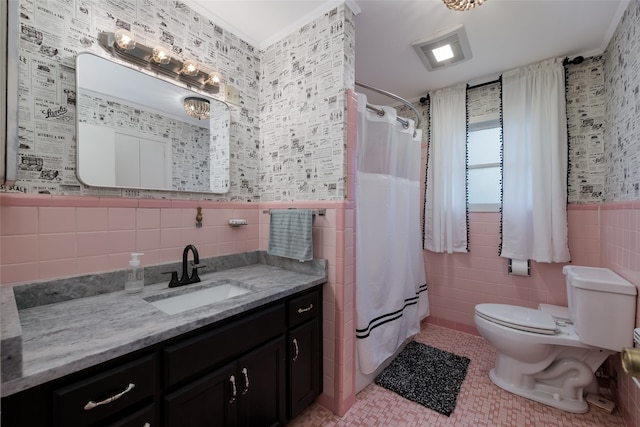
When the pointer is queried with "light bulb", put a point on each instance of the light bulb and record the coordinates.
(124, 39)
(214, 79)
(161, 55)
(190, 68)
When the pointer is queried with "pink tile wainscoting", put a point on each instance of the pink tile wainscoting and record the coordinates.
(49, 237)
(46, 237)
(43, 238)
(620, 248)
(457, 282)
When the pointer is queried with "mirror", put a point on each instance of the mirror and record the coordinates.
(133, 132)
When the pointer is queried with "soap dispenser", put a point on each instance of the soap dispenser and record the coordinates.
(134, 280)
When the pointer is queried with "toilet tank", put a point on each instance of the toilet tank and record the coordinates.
(602, 306)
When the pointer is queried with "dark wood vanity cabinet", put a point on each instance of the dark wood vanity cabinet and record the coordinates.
(259, 368)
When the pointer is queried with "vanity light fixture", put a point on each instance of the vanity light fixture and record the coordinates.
(198, 108)
(462, 5)
(161, 55)
(159, 60)
(125, 40)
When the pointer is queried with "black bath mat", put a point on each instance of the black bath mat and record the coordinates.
(426, 375)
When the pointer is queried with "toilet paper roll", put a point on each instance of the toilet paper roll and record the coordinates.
(519, 267)
(631, 361)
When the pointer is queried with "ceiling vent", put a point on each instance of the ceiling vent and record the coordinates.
(444, 48)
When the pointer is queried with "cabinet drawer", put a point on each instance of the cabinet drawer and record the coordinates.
(304, 307)
(208, 349)
(70, 404)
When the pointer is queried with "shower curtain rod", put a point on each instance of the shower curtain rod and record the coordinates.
(397, 98)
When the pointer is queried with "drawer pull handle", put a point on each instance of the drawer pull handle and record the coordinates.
(234, 392)
(295, 344)
(245, 375)
(91, 404)
(304, 310)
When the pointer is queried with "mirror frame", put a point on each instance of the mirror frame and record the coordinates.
(10, 16)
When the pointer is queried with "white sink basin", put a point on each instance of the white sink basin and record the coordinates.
(198, 296)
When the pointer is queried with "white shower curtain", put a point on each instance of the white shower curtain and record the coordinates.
(391, 296)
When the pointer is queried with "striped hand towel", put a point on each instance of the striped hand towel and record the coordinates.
(290, 234)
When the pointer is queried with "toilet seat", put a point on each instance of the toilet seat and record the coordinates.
(520, 318)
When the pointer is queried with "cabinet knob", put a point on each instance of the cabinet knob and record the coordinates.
(91, 404)
(295, 345)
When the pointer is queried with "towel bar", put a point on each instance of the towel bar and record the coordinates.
(319, 212)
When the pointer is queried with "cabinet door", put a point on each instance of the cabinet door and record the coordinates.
(143, 417)
(305, 373)
(261, 386)
(210, 401)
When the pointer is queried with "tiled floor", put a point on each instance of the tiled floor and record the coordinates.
(480, 403)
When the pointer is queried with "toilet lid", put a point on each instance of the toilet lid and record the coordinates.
(522, 318)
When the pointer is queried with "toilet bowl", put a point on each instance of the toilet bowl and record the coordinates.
(550, 354)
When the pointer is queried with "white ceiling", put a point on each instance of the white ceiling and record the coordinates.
(503, 34)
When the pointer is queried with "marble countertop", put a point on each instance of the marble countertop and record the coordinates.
(64, 337)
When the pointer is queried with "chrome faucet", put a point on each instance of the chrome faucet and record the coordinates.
(187, 279)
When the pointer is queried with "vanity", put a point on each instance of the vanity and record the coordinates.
(113, 359)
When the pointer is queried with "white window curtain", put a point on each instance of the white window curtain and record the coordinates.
(445, 210)
(534, 203)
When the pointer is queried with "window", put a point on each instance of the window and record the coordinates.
(483, 166)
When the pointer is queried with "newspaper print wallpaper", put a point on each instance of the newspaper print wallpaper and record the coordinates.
(53, 32)
(302, 110)
(622, 128)
(585, 94)
(287, 132)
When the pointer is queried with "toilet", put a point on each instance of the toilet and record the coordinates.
(550, 354)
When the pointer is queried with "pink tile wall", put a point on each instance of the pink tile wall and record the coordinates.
(43, 238)
(620, 246)
(457, 282)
